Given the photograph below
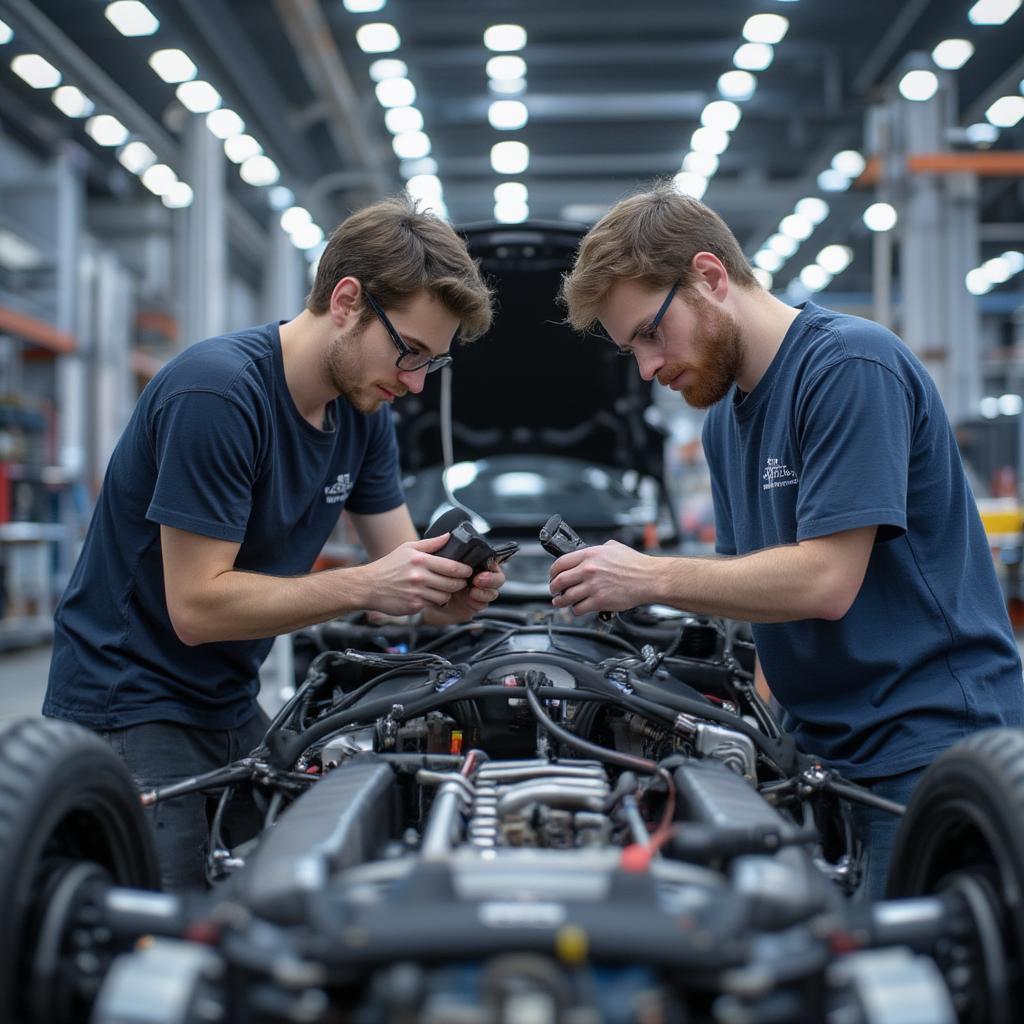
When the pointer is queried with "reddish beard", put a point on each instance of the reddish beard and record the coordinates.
(718, 356)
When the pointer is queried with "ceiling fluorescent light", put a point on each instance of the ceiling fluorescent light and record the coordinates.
(510, 157)
(200, 97)
(918, 85)
(258, 170)
(378, 37)
(159, 179)
(753, 56)
(35, 71)
(131, 18)
(178, 196)
(403, 119)
(953, 54)
(507, 115)
(240, 148)
(765, 28)
(224, 123)
(106, 130)
(507, 66)
(992, 12)
(505, 37)
(689, 183)
(388, 67)
(411, 145)
(136, 157)
(1006, 111)
(72, 101)
(737, 85)
(396, 92)
(173, 66)
(880, 217)
(364, 6)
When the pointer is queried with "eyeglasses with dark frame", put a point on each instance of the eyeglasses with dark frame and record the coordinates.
(408, 358)
(648, 332)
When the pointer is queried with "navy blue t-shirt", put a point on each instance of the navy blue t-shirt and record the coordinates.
(216, 447)
(844, 430)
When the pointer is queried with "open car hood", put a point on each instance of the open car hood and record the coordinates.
(532, 385)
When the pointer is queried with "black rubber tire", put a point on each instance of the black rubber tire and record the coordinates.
(65, 797)
(966, 818)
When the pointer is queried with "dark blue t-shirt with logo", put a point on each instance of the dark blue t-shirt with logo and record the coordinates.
(845, 430)
(216, 447)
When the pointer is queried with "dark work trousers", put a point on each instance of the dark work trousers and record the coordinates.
(159, 753)
(877, 829)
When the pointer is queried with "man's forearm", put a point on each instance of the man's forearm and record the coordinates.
(773, 585)
(238, 605)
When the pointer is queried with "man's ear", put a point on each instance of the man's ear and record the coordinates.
(347, 293)
(710, 275)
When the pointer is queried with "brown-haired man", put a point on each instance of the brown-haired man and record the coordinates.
(850, 536)
(238, 459)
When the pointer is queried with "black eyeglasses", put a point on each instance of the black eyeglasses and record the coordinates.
(408, 358)
(647, 332)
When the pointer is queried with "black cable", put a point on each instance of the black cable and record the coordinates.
(570, 739)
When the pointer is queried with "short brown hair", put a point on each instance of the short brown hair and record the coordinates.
(652, 237)
(396, 250)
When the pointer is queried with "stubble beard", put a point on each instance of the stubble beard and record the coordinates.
(344, 367)
(719, 357)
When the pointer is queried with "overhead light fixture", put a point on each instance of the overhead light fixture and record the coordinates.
(505, 37)
(753, 56)
(307, 236)
(507, 66)
(813, 208)
(1015, 260)
(364, 6)
(507, 115)
(294, 217)
(6, 33)
(403, 119)
(689, 183)
(849, 162)
(919, 85)
(764, 278)
(765, 28)
(106, 130)
(159, 179)
(388, 67)
(377, 37)
(240, 148)
(831, 180)
(981, 134)
(1006, 111)
(814, 277)
(709, 140)
(224, 123)
(989, 406)
(737, 85)
(258, 170)
(198, 96)
(131, 18)
(721, 114)
(72, 101)
(178, 196)
(395, 92)
(425, 187)
(768, 259)
(510, 157)
(997, 270)
(17, 253)
(992, 12)
(835, 258)
(783, 245)
(35, 70)
(511, 213)
(173, 66)
(796, 226)
(411, 145)
(511, 192)
(953, 54)
(507, 86)
(977, 282)
(704, 164)
(136, 157)
(880, 217)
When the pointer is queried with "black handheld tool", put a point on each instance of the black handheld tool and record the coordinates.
(466, 544)
(558, 538)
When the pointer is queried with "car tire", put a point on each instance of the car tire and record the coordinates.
(964, 828)
(66, 801)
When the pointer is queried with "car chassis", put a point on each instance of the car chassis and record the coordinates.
(526, 818)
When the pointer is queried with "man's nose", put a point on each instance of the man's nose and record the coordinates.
(649, 363)
(414, 379)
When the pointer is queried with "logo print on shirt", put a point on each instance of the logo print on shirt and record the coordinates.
(777, 474)
(339, 490)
